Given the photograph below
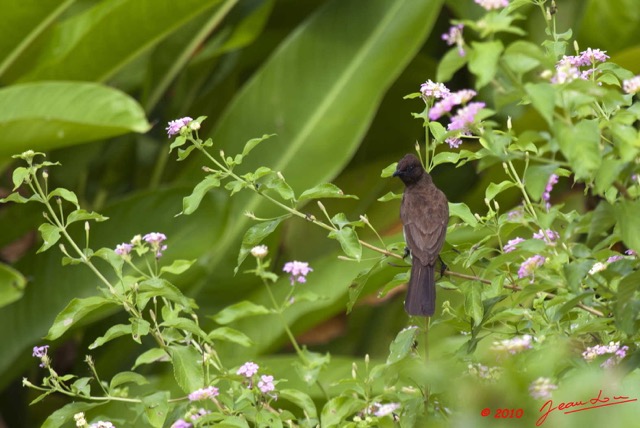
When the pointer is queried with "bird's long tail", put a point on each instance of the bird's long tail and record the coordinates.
(421, 295)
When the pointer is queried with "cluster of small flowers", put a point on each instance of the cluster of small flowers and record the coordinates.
(298, 271)
(81, 422)
(485, 373)
(192, 416)
(546, 196)
(614, 348)
(249, 369)
(41, 352)
(568, 68)
(380, 410)
(527, 268)
(260, 251)
(204, 393)
(513, 346)
(631, 86)
(465, 116)
(600, 266)
(492, 4)
(454, 37)
(154, 239)
(541, 388)
(549, 236)
(176, 126)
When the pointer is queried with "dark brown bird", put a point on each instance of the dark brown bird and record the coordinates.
(424, 213)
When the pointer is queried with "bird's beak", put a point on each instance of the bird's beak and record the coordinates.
(397, 173)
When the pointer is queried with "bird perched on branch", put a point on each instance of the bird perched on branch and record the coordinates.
(424, 213)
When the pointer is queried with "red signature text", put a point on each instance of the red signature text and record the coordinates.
(578, 406)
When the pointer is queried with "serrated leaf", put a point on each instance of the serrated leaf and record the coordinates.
(139, 329)
(156, 408)
(543, 99)
(326, 190)
(483, 61)
(187, 368)
(192, 202)
(74, 312)
(239, 310)
(231, 335)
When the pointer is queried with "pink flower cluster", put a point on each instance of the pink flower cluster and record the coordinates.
(528, 267)
(154, 240)
(298, 271)
(492, 4)
(513, 346)
(631, 86)
(176, 125)
(454, 37)
(568, 68)
(591, 353)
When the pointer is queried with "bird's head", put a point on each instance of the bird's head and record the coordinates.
(410, 170)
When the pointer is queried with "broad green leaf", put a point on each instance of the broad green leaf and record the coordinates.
(473, 303)
(231, 335)
(580, 143)
(19, 175)
(450, 63)
(494, 189)
(192, 202)
(274, 181)
(603, 219)
(389, 196)
(338, 409)
(348, 239)
(139, 329)
(543, 99)
(187, 368)
(483, 61)
(82, 215)
(153, 355)
(252, 143)
(184, 324)
(74, 312)
(97, 43)
(254, 236)
(65, 414)
(627, 214)
(616, 24)
(358, 283)
(607, 174)
(127, 377)
(463, 212)
(628, 304)
(389, 170)
(50, 236)
(65, 194)
(522, 56)
(445, 157)
(326, 190)
(402, 345)
(48, 115)
(178, 266)
(301, 400)
(239, 310)
(114, 332)
(12, 284)
(156, 408)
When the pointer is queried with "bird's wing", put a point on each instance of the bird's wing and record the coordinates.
(425, 236)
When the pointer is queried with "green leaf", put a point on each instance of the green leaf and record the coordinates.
(402, 345)
(114, 332)
(336, 411)
(473, 306)
(49, 115)
(65, 414)
(178, 266)
(463, 212)
(185, 324)
(494, 189)
(445, 157)
(483, 61)
(580, 143)
(127, 377)
(239, 310)
(82, 215)
(252, 143)
(192, 202)
(19, 175)
(12, 285)
(438, 131)
(389, 170)
(139, 329)
(627, 214)
(449, 64)
(156, 408)
(543, 98)
(50, 236)
(231, 335)
(608, 172)
(348, 239)
(358, 283)
(187, 368)
(301, 400)
(254, 236)
(536, 178)
(603, 219)
(74, 312)
(628, 304)
(153, 355)
(522, 56)
(65, 194)
(389, 196)
(274, 181)
(326, 190)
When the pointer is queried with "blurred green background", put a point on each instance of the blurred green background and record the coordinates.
(93, 84)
